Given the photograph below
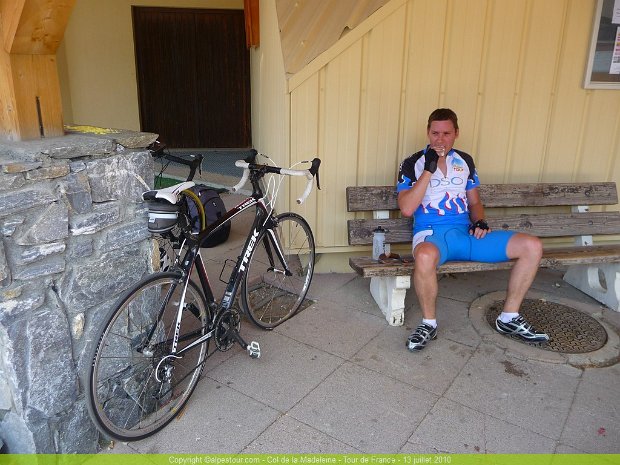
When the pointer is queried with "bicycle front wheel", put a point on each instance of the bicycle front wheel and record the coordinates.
(279, 271)
(135, 386)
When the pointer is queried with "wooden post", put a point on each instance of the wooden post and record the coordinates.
(252, 31)
(30, 102)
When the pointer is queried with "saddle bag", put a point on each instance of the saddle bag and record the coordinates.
(214, 209)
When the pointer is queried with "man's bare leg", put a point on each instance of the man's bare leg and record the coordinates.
(425, 277)
(528, 251)
(425, 283)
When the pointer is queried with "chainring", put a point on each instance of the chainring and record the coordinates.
(227, 321)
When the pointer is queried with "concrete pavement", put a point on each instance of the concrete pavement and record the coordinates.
(338, 379)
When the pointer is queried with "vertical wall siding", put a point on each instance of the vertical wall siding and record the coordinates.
(512, 70)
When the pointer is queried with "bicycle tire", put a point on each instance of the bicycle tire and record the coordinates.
(124, 398)
(269, 297)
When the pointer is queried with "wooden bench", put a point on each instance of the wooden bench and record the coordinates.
(593, 269)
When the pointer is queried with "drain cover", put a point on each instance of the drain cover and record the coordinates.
(570, 330)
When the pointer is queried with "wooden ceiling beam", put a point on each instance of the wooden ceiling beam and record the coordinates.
(34, 27)
(30, 102)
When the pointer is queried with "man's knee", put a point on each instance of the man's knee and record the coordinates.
(426, 256)
(524, 245)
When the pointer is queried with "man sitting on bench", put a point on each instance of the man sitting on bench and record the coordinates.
(438, 186)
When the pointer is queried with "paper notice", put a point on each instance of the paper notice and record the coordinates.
(615, 58)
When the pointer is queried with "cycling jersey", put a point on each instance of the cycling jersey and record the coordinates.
(445, 200)
(443, 215)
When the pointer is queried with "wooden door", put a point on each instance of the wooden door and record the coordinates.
(193, 75)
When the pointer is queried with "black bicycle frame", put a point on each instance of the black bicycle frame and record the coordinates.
(193, 257)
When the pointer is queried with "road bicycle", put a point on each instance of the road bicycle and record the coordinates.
(151, 351)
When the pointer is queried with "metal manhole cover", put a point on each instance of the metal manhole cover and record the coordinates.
(570, 330)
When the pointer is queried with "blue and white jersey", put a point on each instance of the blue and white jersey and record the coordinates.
(445, 200)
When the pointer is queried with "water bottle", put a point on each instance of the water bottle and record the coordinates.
(378, 243)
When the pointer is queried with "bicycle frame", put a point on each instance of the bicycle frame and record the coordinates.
(193, 258)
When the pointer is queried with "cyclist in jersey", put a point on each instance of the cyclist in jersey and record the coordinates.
(438, 186)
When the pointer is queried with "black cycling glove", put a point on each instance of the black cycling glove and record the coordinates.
(430, 161)
(482, 224)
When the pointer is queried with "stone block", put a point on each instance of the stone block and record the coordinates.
(101, 217)
(16, 201)
(30, 254)
(8, 226)
(77, 166)
(11, 181)
(49, 172)
(15, 433)
(21, 301)
(43, 437)
(76, 189)
(71, 146)
(76, 432)
(47, 225)
(53, 380)
(4, 266)
(40, 269)
(80, 247)
(11, 167)
(92, 283)
(123, 234)
(123, 177)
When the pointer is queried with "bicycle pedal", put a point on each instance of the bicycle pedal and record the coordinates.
(254, 349)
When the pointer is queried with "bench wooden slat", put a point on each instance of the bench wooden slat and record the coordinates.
(552, 258)
(370, 198)
(541, 225)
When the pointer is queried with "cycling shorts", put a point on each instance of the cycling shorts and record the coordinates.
(455, 243)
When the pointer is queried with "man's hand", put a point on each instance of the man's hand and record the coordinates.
(479, 229)
(430, 161)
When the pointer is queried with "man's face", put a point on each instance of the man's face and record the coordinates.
(442, 133)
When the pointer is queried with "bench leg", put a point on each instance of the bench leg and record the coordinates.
(587, 278)
(389, 293)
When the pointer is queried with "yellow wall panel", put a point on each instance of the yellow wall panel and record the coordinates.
(535, 88)
(381, 100)
(424, 59)
(340, 142)
(599, 137)
(305, 146)
(463, 55)
(570, 106)
(513, 72)
(503, 53)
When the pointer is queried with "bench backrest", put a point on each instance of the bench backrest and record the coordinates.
(579, 222)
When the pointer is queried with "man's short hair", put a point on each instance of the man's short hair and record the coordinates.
(443, 114)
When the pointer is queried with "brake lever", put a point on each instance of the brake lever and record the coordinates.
(314, 170)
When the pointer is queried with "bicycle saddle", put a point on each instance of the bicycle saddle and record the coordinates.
(170, 194)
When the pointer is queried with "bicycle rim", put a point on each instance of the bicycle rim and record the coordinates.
(134, 392)
(270, 295)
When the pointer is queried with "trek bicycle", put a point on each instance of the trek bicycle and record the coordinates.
(151, 351)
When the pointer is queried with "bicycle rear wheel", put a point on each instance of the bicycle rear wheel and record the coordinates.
(134, 386)
(279, 271)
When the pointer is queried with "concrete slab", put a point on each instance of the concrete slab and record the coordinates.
(593, 424)
(348, 290)
(286, 372)
(450, 426)
(433, 369)
(337, 379)
(532, 395)
(217, 419)
(334, 328)
(365, 409)
(288, 434)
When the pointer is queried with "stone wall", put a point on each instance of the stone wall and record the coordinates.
(73, 236)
